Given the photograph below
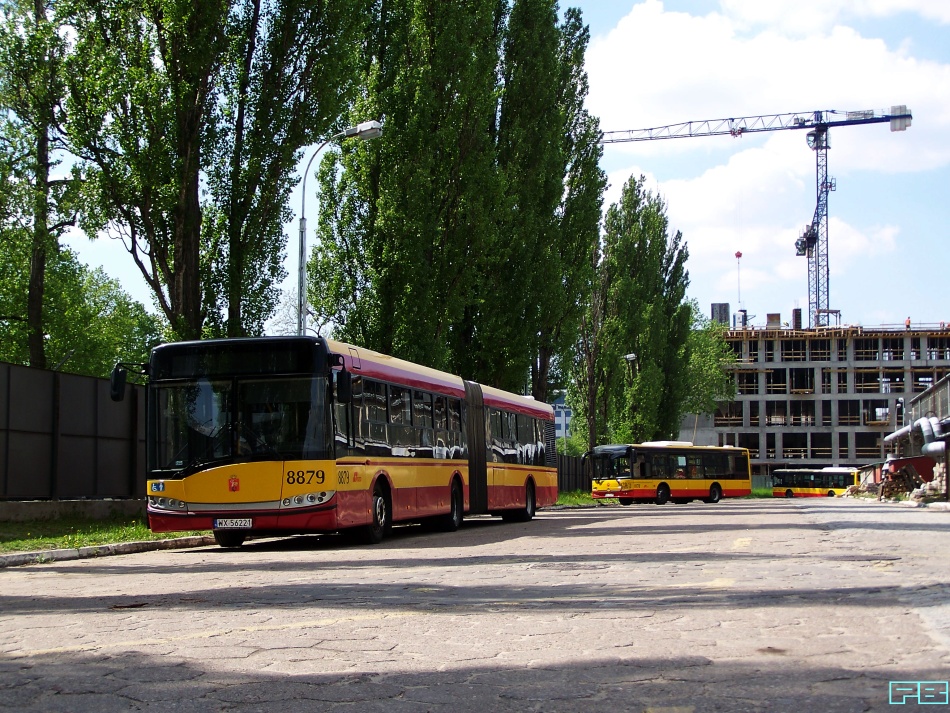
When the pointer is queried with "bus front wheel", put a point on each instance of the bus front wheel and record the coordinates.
(662, 494)
(626, 501)
(373, 534)
(789, 494)
(231, 539)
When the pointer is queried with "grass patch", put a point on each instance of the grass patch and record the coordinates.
(582, 497)
(760, 493)
(74, 532)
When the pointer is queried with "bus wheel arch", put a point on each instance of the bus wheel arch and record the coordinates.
(381, 512)
(715, 494)
(789, 493)
(662, 494)
(530, 508)
(831, 493)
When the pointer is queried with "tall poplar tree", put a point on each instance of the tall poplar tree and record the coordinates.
(636, 381)
(405, 226)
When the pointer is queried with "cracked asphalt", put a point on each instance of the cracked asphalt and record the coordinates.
(746, 605)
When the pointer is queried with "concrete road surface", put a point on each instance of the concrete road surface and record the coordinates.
(747, 605)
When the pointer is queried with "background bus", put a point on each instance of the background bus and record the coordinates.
(282, 435)
(669, 471)
(809, 483)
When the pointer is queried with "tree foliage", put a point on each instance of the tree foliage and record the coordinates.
(31, 89)
(461, 238)
(90, 323)
(166, 93)
(634, 348)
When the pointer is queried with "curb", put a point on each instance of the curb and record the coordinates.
(122, 548)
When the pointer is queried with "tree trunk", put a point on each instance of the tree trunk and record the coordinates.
(34, 309)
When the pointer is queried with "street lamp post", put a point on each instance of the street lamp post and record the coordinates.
(365, 131)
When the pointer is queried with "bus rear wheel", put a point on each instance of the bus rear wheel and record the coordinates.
(626, 501)
(452, 520)
(662, 494)
(831, 493)
(231, 539)
(528, 511)
(789, 494)
(715, 494)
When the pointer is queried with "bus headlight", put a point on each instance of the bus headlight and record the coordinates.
(308, 499)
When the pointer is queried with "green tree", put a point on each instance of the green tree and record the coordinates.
(709, 377)
(404, 225)
(164, 94)
(90, 324)
(31, 90)
(634, 348)
(564, 277)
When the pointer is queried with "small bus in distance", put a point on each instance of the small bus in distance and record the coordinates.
(668, 471)
(812, 482)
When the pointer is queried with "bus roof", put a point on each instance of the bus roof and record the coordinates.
(387, 368)
(617, 448)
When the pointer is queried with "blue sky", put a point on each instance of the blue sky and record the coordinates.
(653, 63)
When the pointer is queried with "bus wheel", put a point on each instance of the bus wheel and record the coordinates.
(626, 501)
(451, 521)
(527, 512)
(373, 534)
(715, 494)
(789, 494)
(831, 493)
(230, 538)
(662, 494)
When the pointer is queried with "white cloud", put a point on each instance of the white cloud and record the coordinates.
(809, 16)
(757, 193)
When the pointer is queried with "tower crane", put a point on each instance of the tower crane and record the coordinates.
(813, 242)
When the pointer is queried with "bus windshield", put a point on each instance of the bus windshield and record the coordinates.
(199, 421)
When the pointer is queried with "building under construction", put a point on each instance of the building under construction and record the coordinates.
(824, 396)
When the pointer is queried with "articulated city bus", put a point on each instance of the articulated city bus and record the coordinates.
(810, 483)
(282, 435)
(669, 471)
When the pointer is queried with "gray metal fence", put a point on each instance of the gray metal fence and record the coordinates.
(62, 437)
(570, 475)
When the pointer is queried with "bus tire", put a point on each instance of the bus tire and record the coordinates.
(452, 520)
(831, 493)
(662, 494)
(715, 494)
(789, 494)
(374, 533)
(626, 501)
(526, 513)
(230, 539)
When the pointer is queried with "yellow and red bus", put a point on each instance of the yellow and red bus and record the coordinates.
(669, 471)
(284, 435)
(811, 483)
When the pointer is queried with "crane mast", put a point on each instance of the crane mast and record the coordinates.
(813, 242)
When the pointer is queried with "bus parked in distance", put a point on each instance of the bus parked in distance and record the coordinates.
(810, 483)
(284, 435)
(669, 471)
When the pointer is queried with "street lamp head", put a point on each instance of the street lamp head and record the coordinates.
(365, 130)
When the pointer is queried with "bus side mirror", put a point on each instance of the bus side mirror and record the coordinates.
(344, 386)
(117, 383)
